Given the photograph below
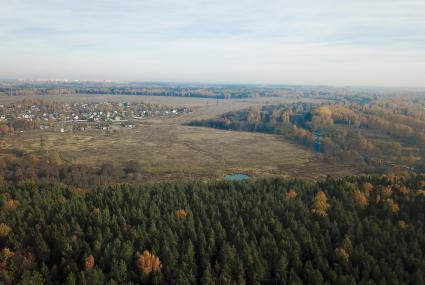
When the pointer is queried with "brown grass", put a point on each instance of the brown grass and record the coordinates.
(168, 149)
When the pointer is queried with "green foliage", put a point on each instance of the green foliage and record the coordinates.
(235, 233)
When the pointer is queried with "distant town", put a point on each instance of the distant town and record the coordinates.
(78, 116)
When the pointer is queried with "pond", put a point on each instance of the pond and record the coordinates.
(236, 177)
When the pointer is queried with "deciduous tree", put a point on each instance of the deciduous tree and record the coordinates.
(320, 204)
(148, 262)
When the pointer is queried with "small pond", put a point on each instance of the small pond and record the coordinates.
(236, 177)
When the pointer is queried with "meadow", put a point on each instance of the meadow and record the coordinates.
(168, 149)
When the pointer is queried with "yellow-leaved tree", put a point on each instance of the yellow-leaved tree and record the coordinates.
(11, 205)
(404, 190)
(360, 198)
(6, 254)
(342, 254)
(393, 206)
(320, 204)
(4, 230)
(367, 188)
(89, 262)
(181, 214)
(402, 224)
(148, 262)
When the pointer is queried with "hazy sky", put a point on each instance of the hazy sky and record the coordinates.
(342, 42)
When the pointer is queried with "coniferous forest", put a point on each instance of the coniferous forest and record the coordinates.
(361, 230)
(212, 142)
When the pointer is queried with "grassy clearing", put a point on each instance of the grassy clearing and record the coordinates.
(167, 149)
(172, 151)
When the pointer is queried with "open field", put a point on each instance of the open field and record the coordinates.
(164, 100)
(167, 149)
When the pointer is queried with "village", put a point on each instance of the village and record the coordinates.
(79, 116)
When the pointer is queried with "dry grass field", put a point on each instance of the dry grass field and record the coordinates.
(167, 149)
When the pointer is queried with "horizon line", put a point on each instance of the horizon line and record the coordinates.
(211, 83)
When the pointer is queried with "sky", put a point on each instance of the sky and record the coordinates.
(326, 42)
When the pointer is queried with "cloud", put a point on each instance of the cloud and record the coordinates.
(216, 40)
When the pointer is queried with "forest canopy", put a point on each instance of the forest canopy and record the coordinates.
(339, 231)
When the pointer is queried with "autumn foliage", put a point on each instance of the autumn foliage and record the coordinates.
(342, 254)
(79, 191)
(367, 188)
(402, 224)
(181, 214)
(323, 111)
(62, 200)
(387, 191)
(11, 205)
(6, 254)
(148, 262)
(89, 262)
(320, 204)
(360, 198)
(404, 190)
(393, 206)
(95, 212)
(350, 131)
(322, 236)
(4, 230)
(291, 194)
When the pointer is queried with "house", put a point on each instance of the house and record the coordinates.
(129, 125)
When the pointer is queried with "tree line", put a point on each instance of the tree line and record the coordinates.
(372, 137)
